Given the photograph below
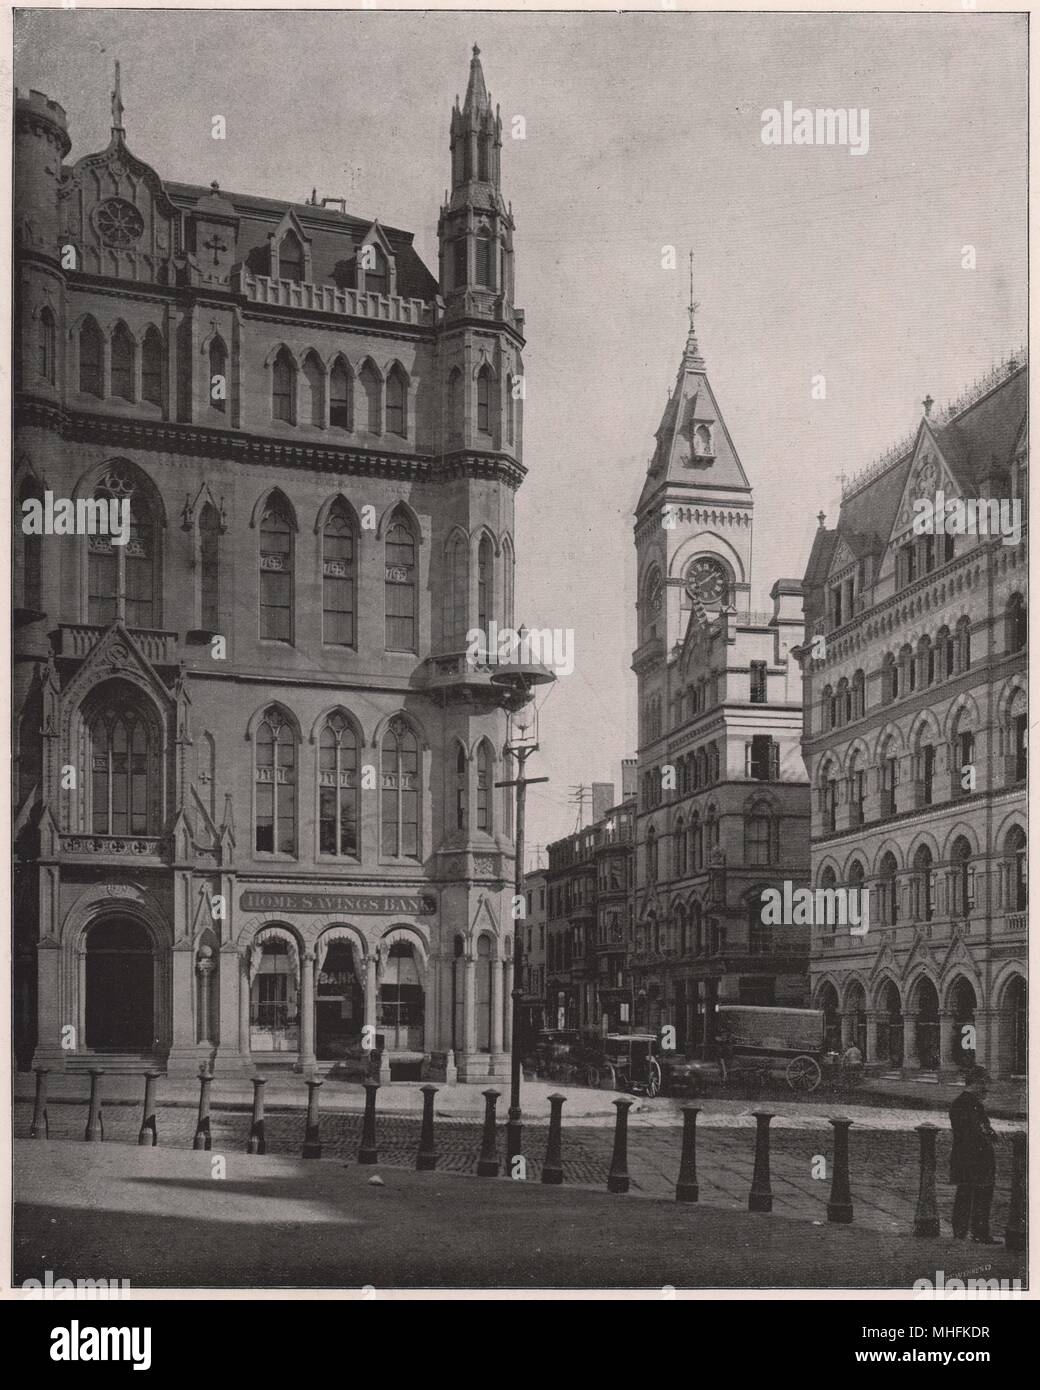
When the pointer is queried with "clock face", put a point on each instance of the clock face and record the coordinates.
(706, 579)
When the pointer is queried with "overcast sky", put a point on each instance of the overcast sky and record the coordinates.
(642, 131)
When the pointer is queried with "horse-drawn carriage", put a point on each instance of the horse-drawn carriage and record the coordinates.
(760, 1042)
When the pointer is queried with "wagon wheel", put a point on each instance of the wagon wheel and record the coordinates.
(592, 1076)
(653, 1078)
(803, 1074)
(610, 1077)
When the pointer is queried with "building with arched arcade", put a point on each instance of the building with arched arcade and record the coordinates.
(256, 812)
(915, 740)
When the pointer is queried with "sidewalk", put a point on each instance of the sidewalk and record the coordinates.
(163, 1218)
(1005, 1100)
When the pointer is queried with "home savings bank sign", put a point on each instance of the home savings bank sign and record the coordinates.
(336, 904)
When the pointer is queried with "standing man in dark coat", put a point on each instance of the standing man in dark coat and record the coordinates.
(973, 1161)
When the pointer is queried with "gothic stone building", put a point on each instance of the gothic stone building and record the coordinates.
(915, 740)
(255, 774)
(723, 797)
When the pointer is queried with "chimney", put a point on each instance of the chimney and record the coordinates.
(602, 800)
(629, 780)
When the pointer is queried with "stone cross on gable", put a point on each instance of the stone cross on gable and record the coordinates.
(215, 245)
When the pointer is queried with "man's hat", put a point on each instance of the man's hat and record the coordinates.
(974, 1075)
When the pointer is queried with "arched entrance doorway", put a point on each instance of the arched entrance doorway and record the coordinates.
(339, 1004)
(925, 1007)
(1012, 1024)
(274, 1019)
(890, 1027)
(119, 1013)
(401, 999)
(827, 1000)
(962, 1006)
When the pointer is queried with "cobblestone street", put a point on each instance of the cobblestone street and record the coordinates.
(883, 1162)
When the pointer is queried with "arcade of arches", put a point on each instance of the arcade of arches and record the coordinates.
(921, 1027)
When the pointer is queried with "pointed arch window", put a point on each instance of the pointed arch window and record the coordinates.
(124, 770)
(396, 402)
(697, 843)
(123, 355)
(152, 367)
(484, 400)
(338, 788)
(1017, 624)
(400, 586)
(276, 572)
(372, 386)
(290, 258)
(32, 553)
(651, 855)
(275, 784)
(218, 357)
(341, 397)
(377, 276)
(487, 259)
(337, 585)
(857, 790)
(123, 580)
(460, 264)
(454, 402)
(456, 594)
(963, 878)
(400, 788)
(963, 644)
(485, 583)
(91, 359)
(888, 890)
(283, 388)
(461, 788)
(314, 380)
(47, 347)
(209, 568)
(924, 885)
(1017, 869)
(484, 789)
(680, 860)
(760, 836)
(507, 583)
(511, 408)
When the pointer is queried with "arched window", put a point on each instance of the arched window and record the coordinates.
(858, 695)
(1016, 624)
(651, 855)
(123, 580)
(946, 654)
(924, 886)
(341, 396)
(399, 586)
(511, 386)
(337, 584)
(209, 568)
(314, 379)
(218, 357)
(91, 359)
(963, 771)
(888, 890)
(843, 702)
(1017, 869)
(125, 762)
(683, 940)
(485, 583)
(454, 402)
(456, 594)
(484, 400)
(507, 582)
(828, 883)
(338, 788)
(484, 158)
(152, 367)
(460, 257)
(400, 787)
(372, 386)
(700, 768)
(276, 571)
(857, 907)
(907, 669)
(290, 258)
(46, 347)
(925, 663)
(702, 441)
(377, 276)
(283, 388)
(679, 863)
(829, 798)
(889, 772)
(760, 934)
(963, 878)
(964, 644)
(396, 398)
(461, 788)
(484, 789)
(697, 843)
(487, 259)
(924, 767)
(123, 355)
(275, 784)
(857, 789)
(889, 679)
(827, 709)
(760, 835)
(32, 552)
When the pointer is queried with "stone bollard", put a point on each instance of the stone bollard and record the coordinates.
(148, 1135)
(40, 1127)
(687, 1189)
(203, 1139)
(926, 1217)
(839, 1208)
(367, 1152)
(487, 1163)
(257, 1133)
(552, 1168)
(617, 1178)
(95, 1131)
(311, 1134)
(426, 1158)
(761, 1197)
(1015, 1230)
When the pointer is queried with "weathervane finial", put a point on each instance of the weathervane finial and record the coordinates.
(117, 105)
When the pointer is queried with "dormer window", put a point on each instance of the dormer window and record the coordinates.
(290, 258)
(702, 442)
(377, 276)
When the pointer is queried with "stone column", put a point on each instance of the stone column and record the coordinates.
(947, 1065)
(244, 988)
(307, 1059)
(507, 1003)
(469, 1027)
(229, 1040)
(848, 1032)
(184, 1051)
(48, 1009)
(496, 1010)
(911, 1060)
(205, 966)
(870, 1057)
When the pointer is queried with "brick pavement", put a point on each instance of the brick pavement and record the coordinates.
(884, 1163)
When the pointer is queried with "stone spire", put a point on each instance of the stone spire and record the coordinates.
(477, 99)
(117, 106)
